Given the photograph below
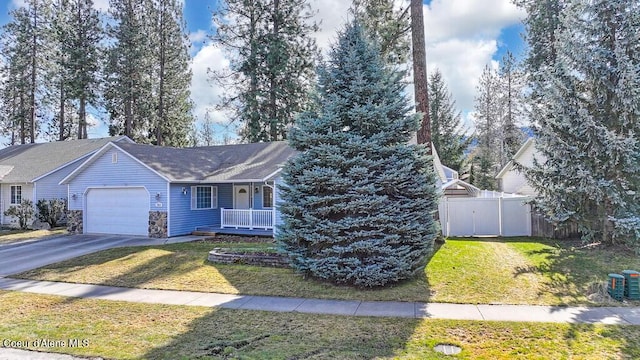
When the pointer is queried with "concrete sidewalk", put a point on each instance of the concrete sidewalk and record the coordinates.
(556, 314)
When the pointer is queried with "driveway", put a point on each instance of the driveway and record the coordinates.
(16, 258)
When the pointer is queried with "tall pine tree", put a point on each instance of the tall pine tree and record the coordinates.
(487, 120)
(24, 43)
(83, 53)
(128, 91)
(173, 120)
(588, 117)
(447, 133)
(272, 54)
(359, 201)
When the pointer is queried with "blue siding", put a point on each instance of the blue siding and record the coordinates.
(48, 188)
(125, 172)
(183, 220)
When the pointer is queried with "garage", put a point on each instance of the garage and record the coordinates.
(117, 211)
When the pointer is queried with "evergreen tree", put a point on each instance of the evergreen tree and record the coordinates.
(62, 126)
(172, 75)
(24, 41)
(510, 92)
(390, 26)
(487, 120)
(359, 201)
(82, 63)
(588, 116)
(272, 51)
(207, 132)
(128, 91)
(447, 133)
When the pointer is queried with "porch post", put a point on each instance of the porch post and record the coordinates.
(273, 208)
(251, 218)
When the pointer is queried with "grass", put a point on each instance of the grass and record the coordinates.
(507, 271)
(121, 330)
(11, 236)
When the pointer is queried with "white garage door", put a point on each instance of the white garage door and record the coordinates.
(118, 211)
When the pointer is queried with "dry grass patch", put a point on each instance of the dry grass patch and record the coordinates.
(119, 330)
(11, 236)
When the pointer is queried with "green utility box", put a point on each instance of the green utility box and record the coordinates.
(615, 286)
(631, 284)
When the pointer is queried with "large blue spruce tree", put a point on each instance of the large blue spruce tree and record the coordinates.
(359, 201)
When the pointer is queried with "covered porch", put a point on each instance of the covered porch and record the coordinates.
(246, 208)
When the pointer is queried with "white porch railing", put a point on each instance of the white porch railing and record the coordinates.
(247, 218)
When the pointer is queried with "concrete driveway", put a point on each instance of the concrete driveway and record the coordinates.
(16, 258)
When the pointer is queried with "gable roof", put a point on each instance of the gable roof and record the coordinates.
(530, 141)
(30, 162)
(224, 163)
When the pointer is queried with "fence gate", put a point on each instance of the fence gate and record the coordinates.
(477, 216)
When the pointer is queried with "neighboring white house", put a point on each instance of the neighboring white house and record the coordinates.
(513, 181)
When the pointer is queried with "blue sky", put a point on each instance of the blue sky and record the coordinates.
(462, 36)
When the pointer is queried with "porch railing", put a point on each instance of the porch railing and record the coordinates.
(247, 218)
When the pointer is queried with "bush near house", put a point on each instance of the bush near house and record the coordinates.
(24, 213)
(52, 211)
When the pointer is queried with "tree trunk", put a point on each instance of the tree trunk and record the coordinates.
(22, 120)
(273, 86)
(34, 43)
(61, 136)
(161, 91)
(82, 121)
(420, 73)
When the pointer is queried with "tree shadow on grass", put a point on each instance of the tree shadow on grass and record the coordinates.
(572, 271)
(225, 333)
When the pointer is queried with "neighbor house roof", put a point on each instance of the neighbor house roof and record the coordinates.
(530, 141)
(224, 163)
(30, 162)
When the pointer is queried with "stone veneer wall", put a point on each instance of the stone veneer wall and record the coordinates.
(74, 222)
(158, 224)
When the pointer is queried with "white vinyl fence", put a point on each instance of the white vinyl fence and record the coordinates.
(485, 216)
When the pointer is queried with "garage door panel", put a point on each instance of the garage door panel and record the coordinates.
(117, 211)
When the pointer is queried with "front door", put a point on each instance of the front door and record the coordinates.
(241, 197)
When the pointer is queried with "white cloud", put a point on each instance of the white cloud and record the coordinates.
(331, 15)
(204, 94)
(462, 37)
(198, 36)
(446, 19)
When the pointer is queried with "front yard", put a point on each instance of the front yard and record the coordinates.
(8, 236)
(119, 330)
(506, 271)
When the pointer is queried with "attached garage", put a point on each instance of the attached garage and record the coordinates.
(122, 210)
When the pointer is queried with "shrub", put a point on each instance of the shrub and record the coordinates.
(24, 213)
(51, 211)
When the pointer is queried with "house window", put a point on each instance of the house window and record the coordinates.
(114, 158)
(16, 194)
(267, 196)
(204, 197)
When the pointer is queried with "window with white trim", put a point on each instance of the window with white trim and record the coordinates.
(16, 194)
(204, 197)
(267, 196)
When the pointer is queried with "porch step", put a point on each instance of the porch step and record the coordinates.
(204, 233)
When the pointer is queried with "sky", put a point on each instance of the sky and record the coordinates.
(462, 36)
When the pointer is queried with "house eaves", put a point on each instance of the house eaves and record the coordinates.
(516, 156)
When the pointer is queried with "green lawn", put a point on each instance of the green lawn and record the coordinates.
(508, 271)
(122, 330)
(11, 236)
